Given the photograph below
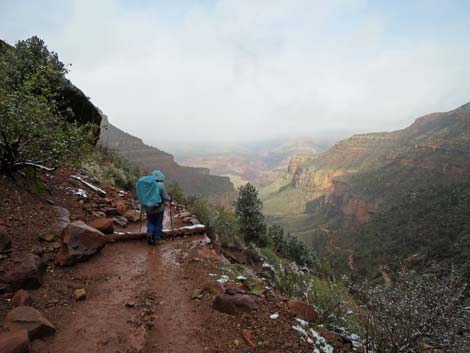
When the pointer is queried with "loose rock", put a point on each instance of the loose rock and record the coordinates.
(22, 298)
(197, 294)
(104, 225)
(302, 310)
(235, 301)
(132, 216)
(80, 294)
(31, 320)
(24, 273)
(121, 207)
(79, 242)
(15, 342)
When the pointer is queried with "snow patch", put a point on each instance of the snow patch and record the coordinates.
(223, 279)
(312, 336)
(274, 316)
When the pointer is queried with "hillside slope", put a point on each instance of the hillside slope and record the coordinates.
(194, 181)
(392, 177)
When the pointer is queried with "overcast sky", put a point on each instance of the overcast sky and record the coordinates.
(243, 70)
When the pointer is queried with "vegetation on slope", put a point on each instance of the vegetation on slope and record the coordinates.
(34, 131)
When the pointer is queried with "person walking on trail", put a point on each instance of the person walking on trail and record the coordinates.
(152, 193)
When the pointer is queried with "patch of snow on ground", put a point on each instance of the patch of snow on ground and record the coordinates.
(274, 316)
(312, 336)
(223, 279)
(81, 193)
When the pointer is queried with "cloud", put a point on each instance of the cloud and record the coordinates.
(232, 70)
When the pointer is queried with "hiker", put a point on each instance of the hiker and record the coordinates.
(152, 194)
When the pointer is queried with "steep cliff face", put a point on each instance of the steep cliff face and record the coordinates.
(365, 174)
(194, 181)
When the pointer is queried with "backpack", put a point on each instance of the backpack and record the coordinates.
(148, 192)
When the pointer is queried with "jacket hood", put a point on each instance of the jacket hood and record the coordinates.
(158, 175)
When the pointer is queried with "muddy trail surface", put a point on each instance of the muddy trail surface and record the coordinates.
(138, 300)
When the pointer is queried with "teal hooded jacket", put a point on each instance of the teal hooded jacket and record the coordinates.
(159, 178)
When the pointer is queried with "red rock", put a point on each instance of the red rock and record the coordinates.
(5, 241)
(14, 342)
(104, 225)
(22, 298)
(79, 242)
(132, 215)
(302, 310)
(235, 301)
(121, 207)
(31, 320)
(99, 214)
(247, 336)
(23, 273)
(62, 220)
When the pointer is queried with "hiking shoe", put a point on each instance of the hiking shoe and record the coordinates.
(152, 242)
(149, 239)
(160, 242)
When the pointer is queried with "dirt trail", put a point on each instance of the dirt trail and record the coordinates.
(132, 287)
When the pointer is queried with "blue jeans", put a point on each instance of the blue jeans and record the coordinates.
(155, 225)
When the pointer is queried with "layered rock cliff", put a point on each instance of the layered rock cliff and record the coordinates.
(366, 173)
(194, 181)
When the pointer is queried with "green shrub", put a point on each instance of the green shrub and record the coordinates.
(32, 131)
(328, 296)
(176, 192)
(222, 225)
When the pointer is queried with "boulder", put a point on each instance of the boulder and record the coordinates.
(235, 301)
(22, 298)
(121, 207)
(14, 342)
(104, 225)
(22, 273)
(31, 320)
(79, 242)
(132, 215)
(5, 241)
(62, 220)
(302, 310)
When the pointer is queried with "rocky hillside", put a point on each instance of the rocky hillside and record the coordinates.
(436, 145)
(374, 175)
(194, 181)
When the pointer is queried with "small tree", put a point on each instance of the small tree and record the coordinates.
(32, 131)
(248, 209)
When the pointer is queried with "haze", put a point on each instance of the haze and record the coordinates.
(212, 71)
